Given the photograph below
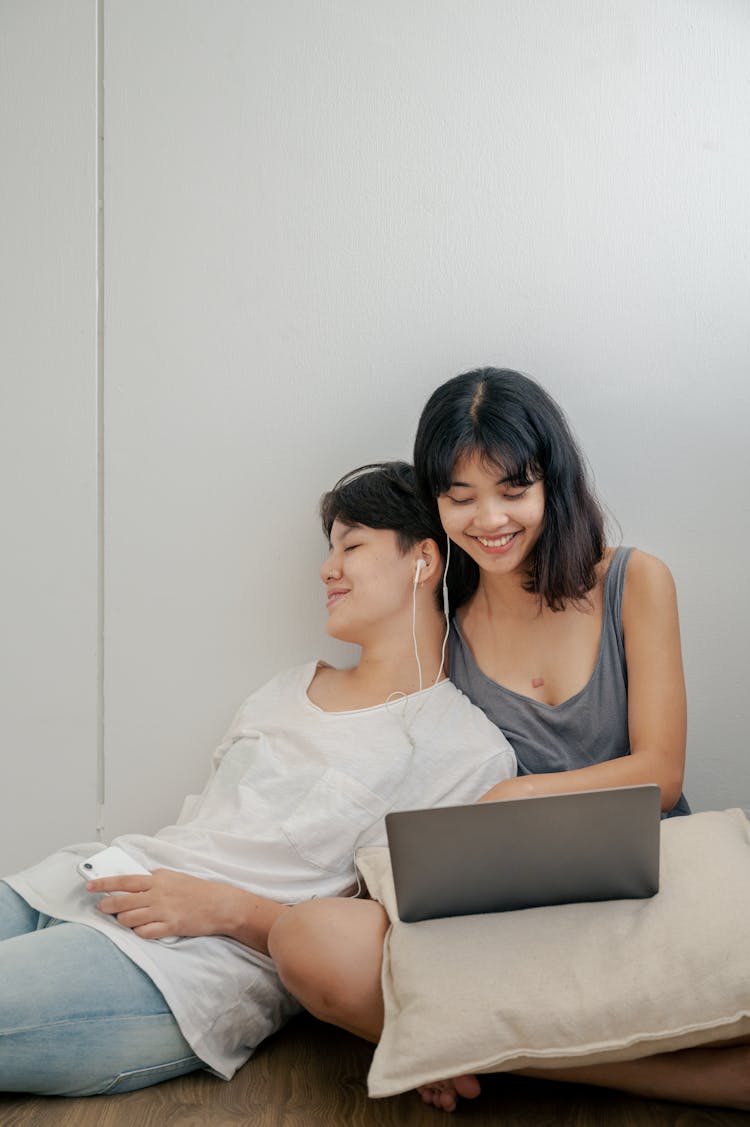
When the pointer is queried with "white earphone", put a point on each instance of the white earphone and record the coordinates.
(421, 564)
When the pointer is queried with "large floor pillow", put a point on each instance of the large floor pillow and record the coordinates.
(576, 983)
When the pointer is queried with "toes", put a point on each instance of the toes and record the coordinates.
(429, 1093)
(441, 1095)
(467, 1086)
(447, 1101)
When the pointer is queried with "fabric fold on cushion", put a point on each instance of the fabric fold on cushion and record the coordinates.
(572, 984)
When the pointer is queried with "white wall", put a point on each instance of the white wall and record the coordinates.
(315, 212)
(48, 426)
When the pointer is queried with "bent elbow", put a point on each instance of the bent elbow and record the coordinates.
(671, 790)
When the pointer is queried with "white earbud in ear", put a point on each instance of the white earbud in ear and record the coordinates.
(419, 568)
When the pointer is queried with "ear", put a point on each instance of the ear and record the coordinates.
(428, 560)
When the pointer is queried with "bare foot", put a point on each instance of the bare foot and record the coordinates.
(444, 1094)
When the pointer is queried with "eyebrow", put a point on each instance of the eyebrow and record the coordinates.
(466, 485)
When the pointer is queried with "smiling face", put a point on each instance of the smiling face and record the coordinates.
(368, 581)
(495, 521)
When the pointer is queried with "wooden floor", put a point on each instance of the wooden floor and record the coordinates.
(311, 1075)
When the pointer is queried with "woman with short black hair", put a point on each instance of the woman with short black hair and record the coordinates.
(94, 998)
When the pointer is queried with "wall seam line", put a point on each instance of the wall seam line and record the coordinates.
(100, 585)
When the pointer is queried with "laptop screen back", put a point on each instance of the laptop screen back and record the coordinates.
(526, 852)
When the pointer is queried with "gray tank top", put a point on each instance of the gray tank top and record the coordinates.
(590, 727)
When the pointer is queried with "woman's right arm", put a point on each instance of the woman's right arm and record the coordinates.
(167, 903)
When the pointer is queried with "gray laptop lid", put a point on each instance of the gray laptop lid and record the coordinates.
(526, 852)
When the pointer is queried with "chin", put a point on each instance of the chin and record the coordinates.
(339, 632)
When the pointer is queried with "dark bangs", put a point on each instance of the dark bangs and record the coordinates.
(464, 417)
(513, 424)
(381, 495)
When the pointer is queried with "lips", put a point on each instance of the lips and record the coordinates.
(335, 596)
(497, 545)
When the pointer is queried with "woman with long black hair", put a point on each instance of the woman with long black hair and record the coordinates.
(571, 647)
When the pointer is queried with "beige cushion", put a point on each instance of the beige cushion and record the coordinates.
(576, 983)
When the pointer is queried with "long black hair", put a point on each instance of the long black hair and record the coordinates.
(514, 424)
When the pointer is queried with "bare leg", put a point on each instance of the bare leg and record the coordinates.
(329, 953)
(716, 1074)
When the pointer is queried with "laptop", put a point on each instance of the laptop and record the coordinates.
(526, 852)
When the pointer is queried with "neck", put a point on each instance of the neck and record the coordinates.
(388, 664)
(505, 594)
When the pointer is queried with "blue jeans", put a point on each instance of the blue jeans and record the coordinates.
(77, 1017)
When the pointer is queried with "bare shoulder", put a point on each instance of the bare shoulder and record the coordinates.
(648, 571)
(648, 584)
(642, 569)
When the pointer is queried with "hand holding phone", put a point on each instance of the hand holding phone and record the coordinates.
(115, 862)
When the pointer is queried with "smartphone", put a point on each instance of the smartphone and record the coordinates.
(115, 862)
(109, 862)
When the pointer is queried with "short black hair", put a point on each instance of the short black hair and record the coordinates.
(511, 422)
(382, 495)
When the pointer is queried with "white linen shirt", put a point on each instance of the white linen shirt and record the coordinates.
(293, 792)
